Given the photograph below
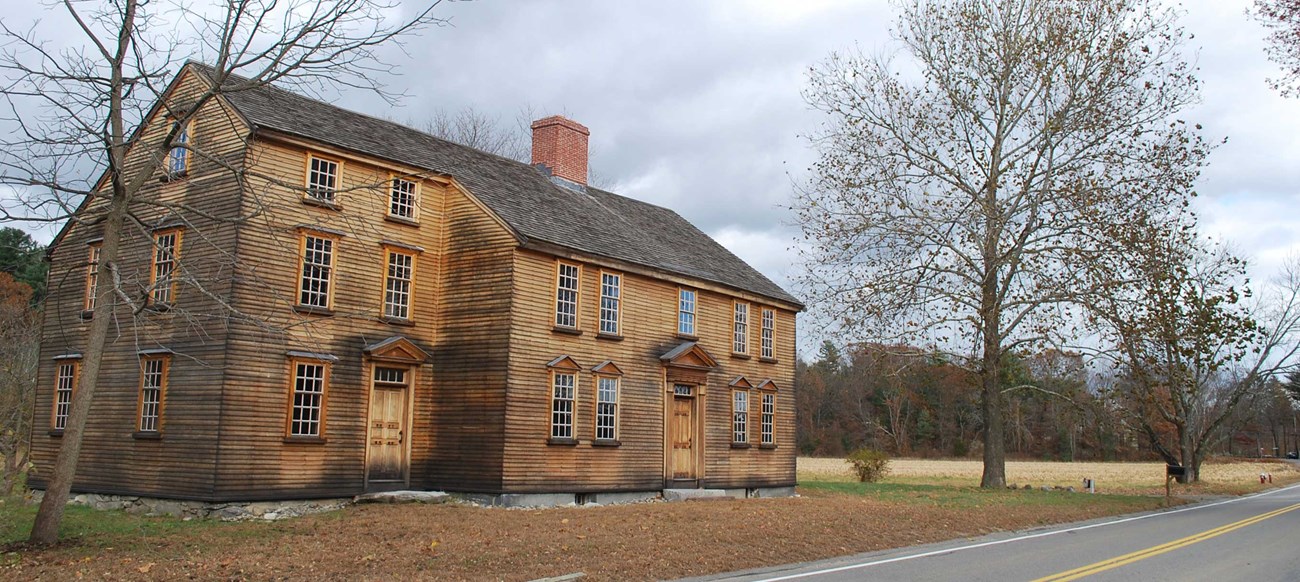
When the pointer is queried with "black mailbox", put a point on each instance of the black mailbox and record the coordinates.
(1175, 471)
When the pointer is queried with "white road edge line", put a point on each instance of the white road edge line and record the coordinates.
(1016, 539)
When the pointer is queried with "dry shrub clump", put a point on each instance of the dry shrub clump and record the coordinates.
(870, 465)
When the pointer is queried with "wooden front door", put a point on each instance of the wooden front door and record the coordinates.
(682, 431)
(388, 431)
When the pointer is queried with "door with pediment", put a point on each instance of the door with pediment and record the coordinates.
(386, 459)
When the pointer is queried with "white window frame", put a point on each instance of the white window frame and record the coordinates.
(740, 328)
(767, 334)
(308, 390)
(399, 283)
(178, 157)
(740, 416)
(687, 303)
(65, 386)
(767, 417)
(153, 385)
(568, 294)
(607, 389)
(564, 397)
(403, 200)
(166, 261)
(323, 176)
(316, 270)
(611, 303)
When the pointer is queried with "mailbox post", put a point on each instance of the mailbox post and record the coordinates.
(1172, 472)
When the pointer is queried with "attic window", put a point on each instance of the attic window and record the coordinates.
(178, 158)
(322, 179)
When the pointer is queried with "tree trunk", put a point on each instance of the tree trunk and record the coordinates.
(1190, 461)
(45, 530)
(995, 457)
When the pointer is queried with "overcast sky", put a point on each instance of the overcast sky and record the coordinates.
(696, 105)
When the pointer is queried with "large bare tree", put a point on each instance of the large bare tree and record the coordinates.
(1193, 347)
(75, 98)
(961, 187)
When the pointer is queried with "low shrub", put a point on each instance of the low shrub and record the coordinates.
(869, 464)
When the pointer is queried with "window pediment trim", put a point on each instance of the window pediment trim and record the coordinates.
(607, 368)
(564, 363)
(740, 382)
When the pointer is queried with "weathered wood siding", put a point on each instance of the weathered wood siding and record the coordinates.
(255, 458)
(181, 462)
(482, 308)
(649, 329)
(470, 357)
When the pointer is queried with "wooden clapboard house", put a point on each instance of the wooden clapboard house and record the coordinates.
(391, 310)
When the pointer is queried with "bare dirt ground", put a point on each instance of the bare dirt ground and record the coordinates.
(925, 501)
(628, 542)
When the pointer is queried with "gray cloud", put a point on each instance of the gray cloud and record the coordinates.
(696, 105)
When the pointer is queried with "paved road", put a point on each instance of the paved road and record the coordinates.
(1246, 538)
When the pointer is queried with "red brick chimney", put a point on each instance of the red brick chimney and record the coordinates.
(560, 144)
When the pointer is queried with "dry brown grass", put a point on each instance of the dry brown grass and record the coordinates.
(1228, 477)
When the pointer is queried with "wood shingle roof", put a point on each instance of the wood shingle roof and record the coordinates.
(587, 220)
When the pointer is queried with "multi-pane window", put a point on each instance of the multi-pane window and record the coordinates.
(740, 416)
(322, 178)
(769, 324)
(566, 295)
(65, 380)
(562, 387)
(166, 251)
(92, 273)
(317, 270)
(308, 398)
(686, 312)
(611, 290)
(402, 202)
(153, 380)
(178, 158)
(606, 408)
(390, 376)
(768, 412)
(740, 337)
(397, 285)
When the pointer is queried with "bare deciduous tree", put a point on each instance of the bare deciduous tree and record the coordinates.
(75, 111)
(1282, 18)
(473, 128)
(1192, 346)
(957, 195)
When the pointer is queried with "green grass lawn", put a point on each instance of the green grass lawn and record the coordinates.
(99, 529)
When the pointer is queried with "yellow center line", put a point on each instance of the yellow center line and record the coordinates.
(1116, 562)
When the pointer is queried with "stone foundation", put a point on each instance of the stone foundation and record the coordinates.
(273, 510)
(234, 511)
(534, 500)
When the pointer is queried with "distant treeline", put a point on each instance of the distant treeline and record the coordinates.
(909, 402)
